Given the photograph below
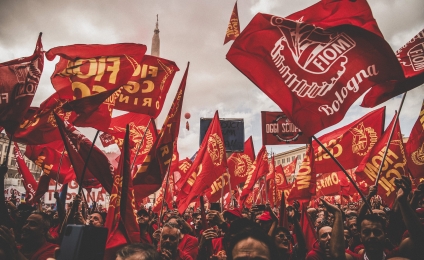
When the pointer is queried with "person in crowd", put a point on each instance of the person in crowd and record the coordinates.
(169, 240)
(144, 223)
(96, 219)
(34, 238)
(188, 244)
(197, 224)
(138, 251)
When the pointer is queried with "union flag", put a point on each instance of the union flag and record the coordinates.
(415, 148)
(208, 168)
(313, 75)
(394, 165)
(30, 184)
(349, 144)
(19, 82)
(233, 29)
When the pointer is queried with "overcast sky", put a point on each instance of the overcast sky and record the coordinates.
(190, 30)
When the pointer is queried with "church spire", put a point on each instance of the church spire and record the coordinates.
(156, 40)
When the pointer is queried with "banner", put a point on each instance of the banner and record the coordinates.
(232, 130)
(313, 75)
(278, 129)
(233, 29)
(415, 148)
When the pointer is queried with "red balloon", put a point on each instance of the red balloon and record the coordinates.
(187, 115)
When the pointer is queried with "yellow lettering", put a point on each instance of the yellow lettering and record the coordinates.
(114, 68)
(149, 88)
(147, 102)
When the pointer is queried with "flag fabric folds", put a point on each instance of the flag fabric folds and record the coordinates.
(208, 168)
(349, 144)
(305, 182)
(151, 173)
(30, 184)
(415, 148)
(19, 82)
(394, 165)
(233, 29)
(313, 75)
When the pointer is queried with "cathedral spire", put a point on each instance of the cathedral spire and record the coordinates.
(156, 40)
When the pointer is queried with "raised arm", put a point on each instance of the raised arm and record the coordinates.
(337, 249)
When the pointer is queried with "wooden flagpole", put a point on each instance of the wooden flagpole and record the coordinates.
(388, 142)
(140, 144)
(345, 172)
(164, 194)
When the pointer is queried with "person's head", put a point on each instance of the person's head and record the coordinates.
(380, 213)
(265, 221)
(330, 219)
(170, 237)
(252, 243)
(197, 220)
(324, 238)
(318, 222)
(36, 227)
(352, 225)
(138, 251)
(96, 219)
(372, 232)
(322, 214)
(232, 214)
(143, 217)
(282, 238)
(245, 214)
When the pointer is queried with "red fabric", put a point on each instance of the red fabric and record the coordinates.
(47, 157)
(43, 187)
(146, 238)
(30, 184)
(148, 86)
(44, 252)
(151, 173)
(330, 13)
(314, 93)
(181, 172)
(350, 143)
(233, 29)
(19, 81)
(217, 245)
(189, 245)
(415, 147)
(305, 183)
(308, 229)
(78, 147)
(209, 165)
(410, 57)
(258, 169)
(393, 167)
(316, 253)
(265, 216)
(239, 163)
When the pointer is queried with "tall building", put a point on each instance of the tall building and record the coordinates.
(156, 40)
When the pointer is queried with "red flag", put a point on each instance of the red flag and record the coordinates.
(349, 144)
(313, 75)
(147, 88)
(19, 81)
(305, 182)
(328, 184)
(181, 172)
(78, 147)
(233, 29)
(270, 182)
(258, 169)
(121, 217)
(43, 187)
(283, 218)
(48, 158)
(39, 125)
(411, 58)
(151, 173)
(307, 227)
(415, 147)
(394, 165)
(239, 163)
(289, 169)
(30, 184)
(327, 14)
(86, 71)
(251, 197)
(209, 165)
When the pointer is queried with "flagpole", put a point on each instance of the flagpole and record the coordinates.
(275, 183)
(164, 193)
(345, 172)
(140, 144)
(388, 142)
(222, 192)
(8, 151)
(229, 187)
(86, 162)
(266, 190)
(58, 169)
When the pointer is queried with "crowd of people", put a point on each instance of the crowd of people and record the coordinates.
(349, 231)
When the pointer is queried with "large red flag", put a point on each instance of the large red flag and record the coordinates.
(30, 184)
(330, 13)
(313, 75)
(121, 219)
(151, 173)
(233, 29)
(305, 182)
(86, 71)
(349, 144)
(19, 81)
(210, 164)
(48, 157)
(258, 169)
(78, 147)
(147, 88)
(411, 58)
(415, 148)
(394, 165)
(239, 163)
